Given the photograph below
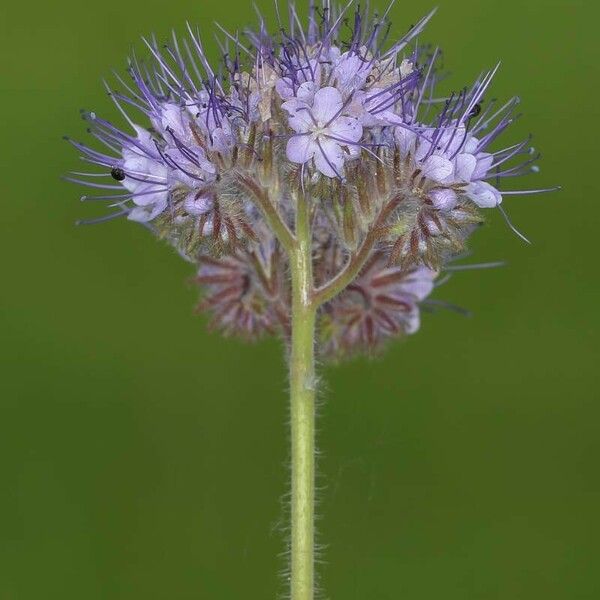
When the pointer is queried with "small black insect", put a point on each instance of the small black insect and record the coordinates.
(117, 173)
(475, 110)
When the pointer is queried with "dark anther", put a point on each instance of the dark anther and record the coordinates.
(475, 110)
(117, 173)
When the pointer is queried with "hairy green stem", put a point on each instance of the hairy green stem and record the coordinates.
(305, 303)
(261, 197)
(302, 409)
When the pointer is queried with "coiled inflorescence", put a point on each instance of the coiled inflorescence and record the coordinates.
(330, 111)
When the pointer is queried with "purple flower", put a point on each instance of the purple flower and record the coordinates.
(453, 164)
(384, 159)
(351, 70)
(325, 133)
(145, 176)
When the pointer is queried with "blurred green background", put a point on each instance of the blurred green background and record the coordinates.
(141, 457)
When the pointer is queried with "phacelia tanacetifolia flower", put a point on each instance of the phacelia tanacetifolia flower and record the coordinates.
(323, 132)
(396, 173)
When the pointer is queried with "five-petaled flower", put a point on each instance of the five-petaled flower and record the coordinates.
(323, 132)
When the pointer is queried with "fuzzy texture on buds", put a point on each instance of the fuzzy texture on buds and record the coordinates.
(382, 303)
(396, 173)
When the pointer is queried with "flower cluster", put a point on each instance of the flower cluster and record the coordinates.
(393, 172)
(382, 303)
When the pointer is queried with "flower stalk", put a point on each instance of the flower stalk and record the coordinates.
(302, 409)
(357, 261)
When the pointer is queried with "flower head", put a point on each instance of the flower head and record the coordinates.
(395, 172)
